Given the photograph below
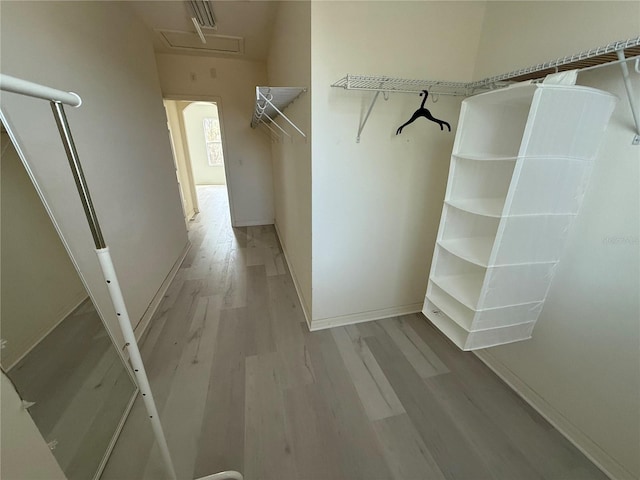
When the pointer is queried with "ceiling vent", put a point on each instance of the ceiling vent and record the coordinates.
(224, 44)
(202, 11)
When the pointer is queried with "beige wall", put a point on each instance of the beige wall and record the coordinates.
(581, 367)
(248, 159)
(194, 115)
(101, 51)
(289, 64)
(40, 284)
(377, 204)
(24, 454)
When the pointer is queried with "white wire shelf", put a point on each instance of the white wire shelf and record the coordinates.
(619, 52)
(588, 58)
(401, 85)
(270, 103)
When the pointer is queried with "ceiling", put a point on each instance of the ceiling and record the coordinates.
(243, 26)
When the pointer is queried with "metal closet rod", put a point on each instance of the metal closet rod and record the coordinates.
(31, 89)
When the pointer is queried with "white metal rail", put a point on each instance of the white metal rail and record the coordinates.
(270, 102)
(607, 55)
(57, 99)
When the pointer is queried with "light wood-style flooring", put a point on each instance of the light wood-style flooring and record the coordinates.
(242, 384)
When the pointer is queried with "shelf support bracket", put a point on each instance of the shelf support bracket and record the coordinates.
(366, 117)
(632, 97)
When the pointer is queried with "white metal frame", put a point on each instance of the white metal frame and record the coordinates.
(385, 85)
(56, 226)
(270, 102)
(58, 99)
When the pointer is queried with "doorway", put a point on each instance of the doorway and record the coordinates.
(197, 136)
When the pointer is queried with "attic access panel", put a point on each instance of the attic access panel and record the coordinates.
(191, 41)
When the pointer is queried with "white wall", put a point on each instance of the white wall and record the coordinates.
(248, 158)
(377, 204)
(289, 64)
(24, 454)
(194, 115)
(581, 367)
(101, 51)
(41, 286)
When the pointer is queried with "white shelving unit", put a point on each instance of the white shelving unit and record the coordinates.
(520, 166)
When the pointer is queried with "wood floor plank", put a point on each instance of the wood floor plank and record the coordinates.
(258, 310)
(417, 352)
(221, 439)
(102, 427)
(290, 339)
(131, 453)
(315, 451)
(551, 454)
(500, 456)
(449, 446)
(405, 452)
(185, 406)
(268, 448)
(236, 281)
(336, 403)
(377, 396)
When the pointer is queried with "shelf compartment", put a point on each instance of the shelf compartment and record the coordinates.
(466, 340)
(480, 288)
(474, 320)
(470, 179)
(468, 235)
(494, 126)
(488, 207)
(476, 250)
(464, 288)
(460, 279)
(455, 310)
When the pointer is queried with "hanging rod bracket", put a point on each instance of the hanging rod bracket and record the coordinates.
(366, 117)
(271, 102)
(632, 98)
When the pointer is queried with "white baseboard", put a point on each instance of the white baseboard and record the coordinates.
(254, 223)
(144, 322)
(578, 438)
(360, 317)
(305, 308)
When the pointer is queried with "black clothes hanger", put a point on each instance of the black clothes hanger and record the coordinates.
(423, 112)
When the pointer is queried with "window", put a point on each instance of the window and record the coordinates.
(213, 140)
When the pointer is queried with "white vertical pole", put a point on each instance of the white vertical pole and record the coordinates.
(109, 272)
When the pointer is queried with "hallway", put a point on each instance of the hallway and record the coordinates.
(242, 384)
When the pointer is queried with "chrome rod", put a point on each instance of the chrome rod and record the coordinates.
(78, 175)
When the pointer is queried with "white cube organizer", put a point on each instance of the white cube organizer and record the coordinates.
(520, 166)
